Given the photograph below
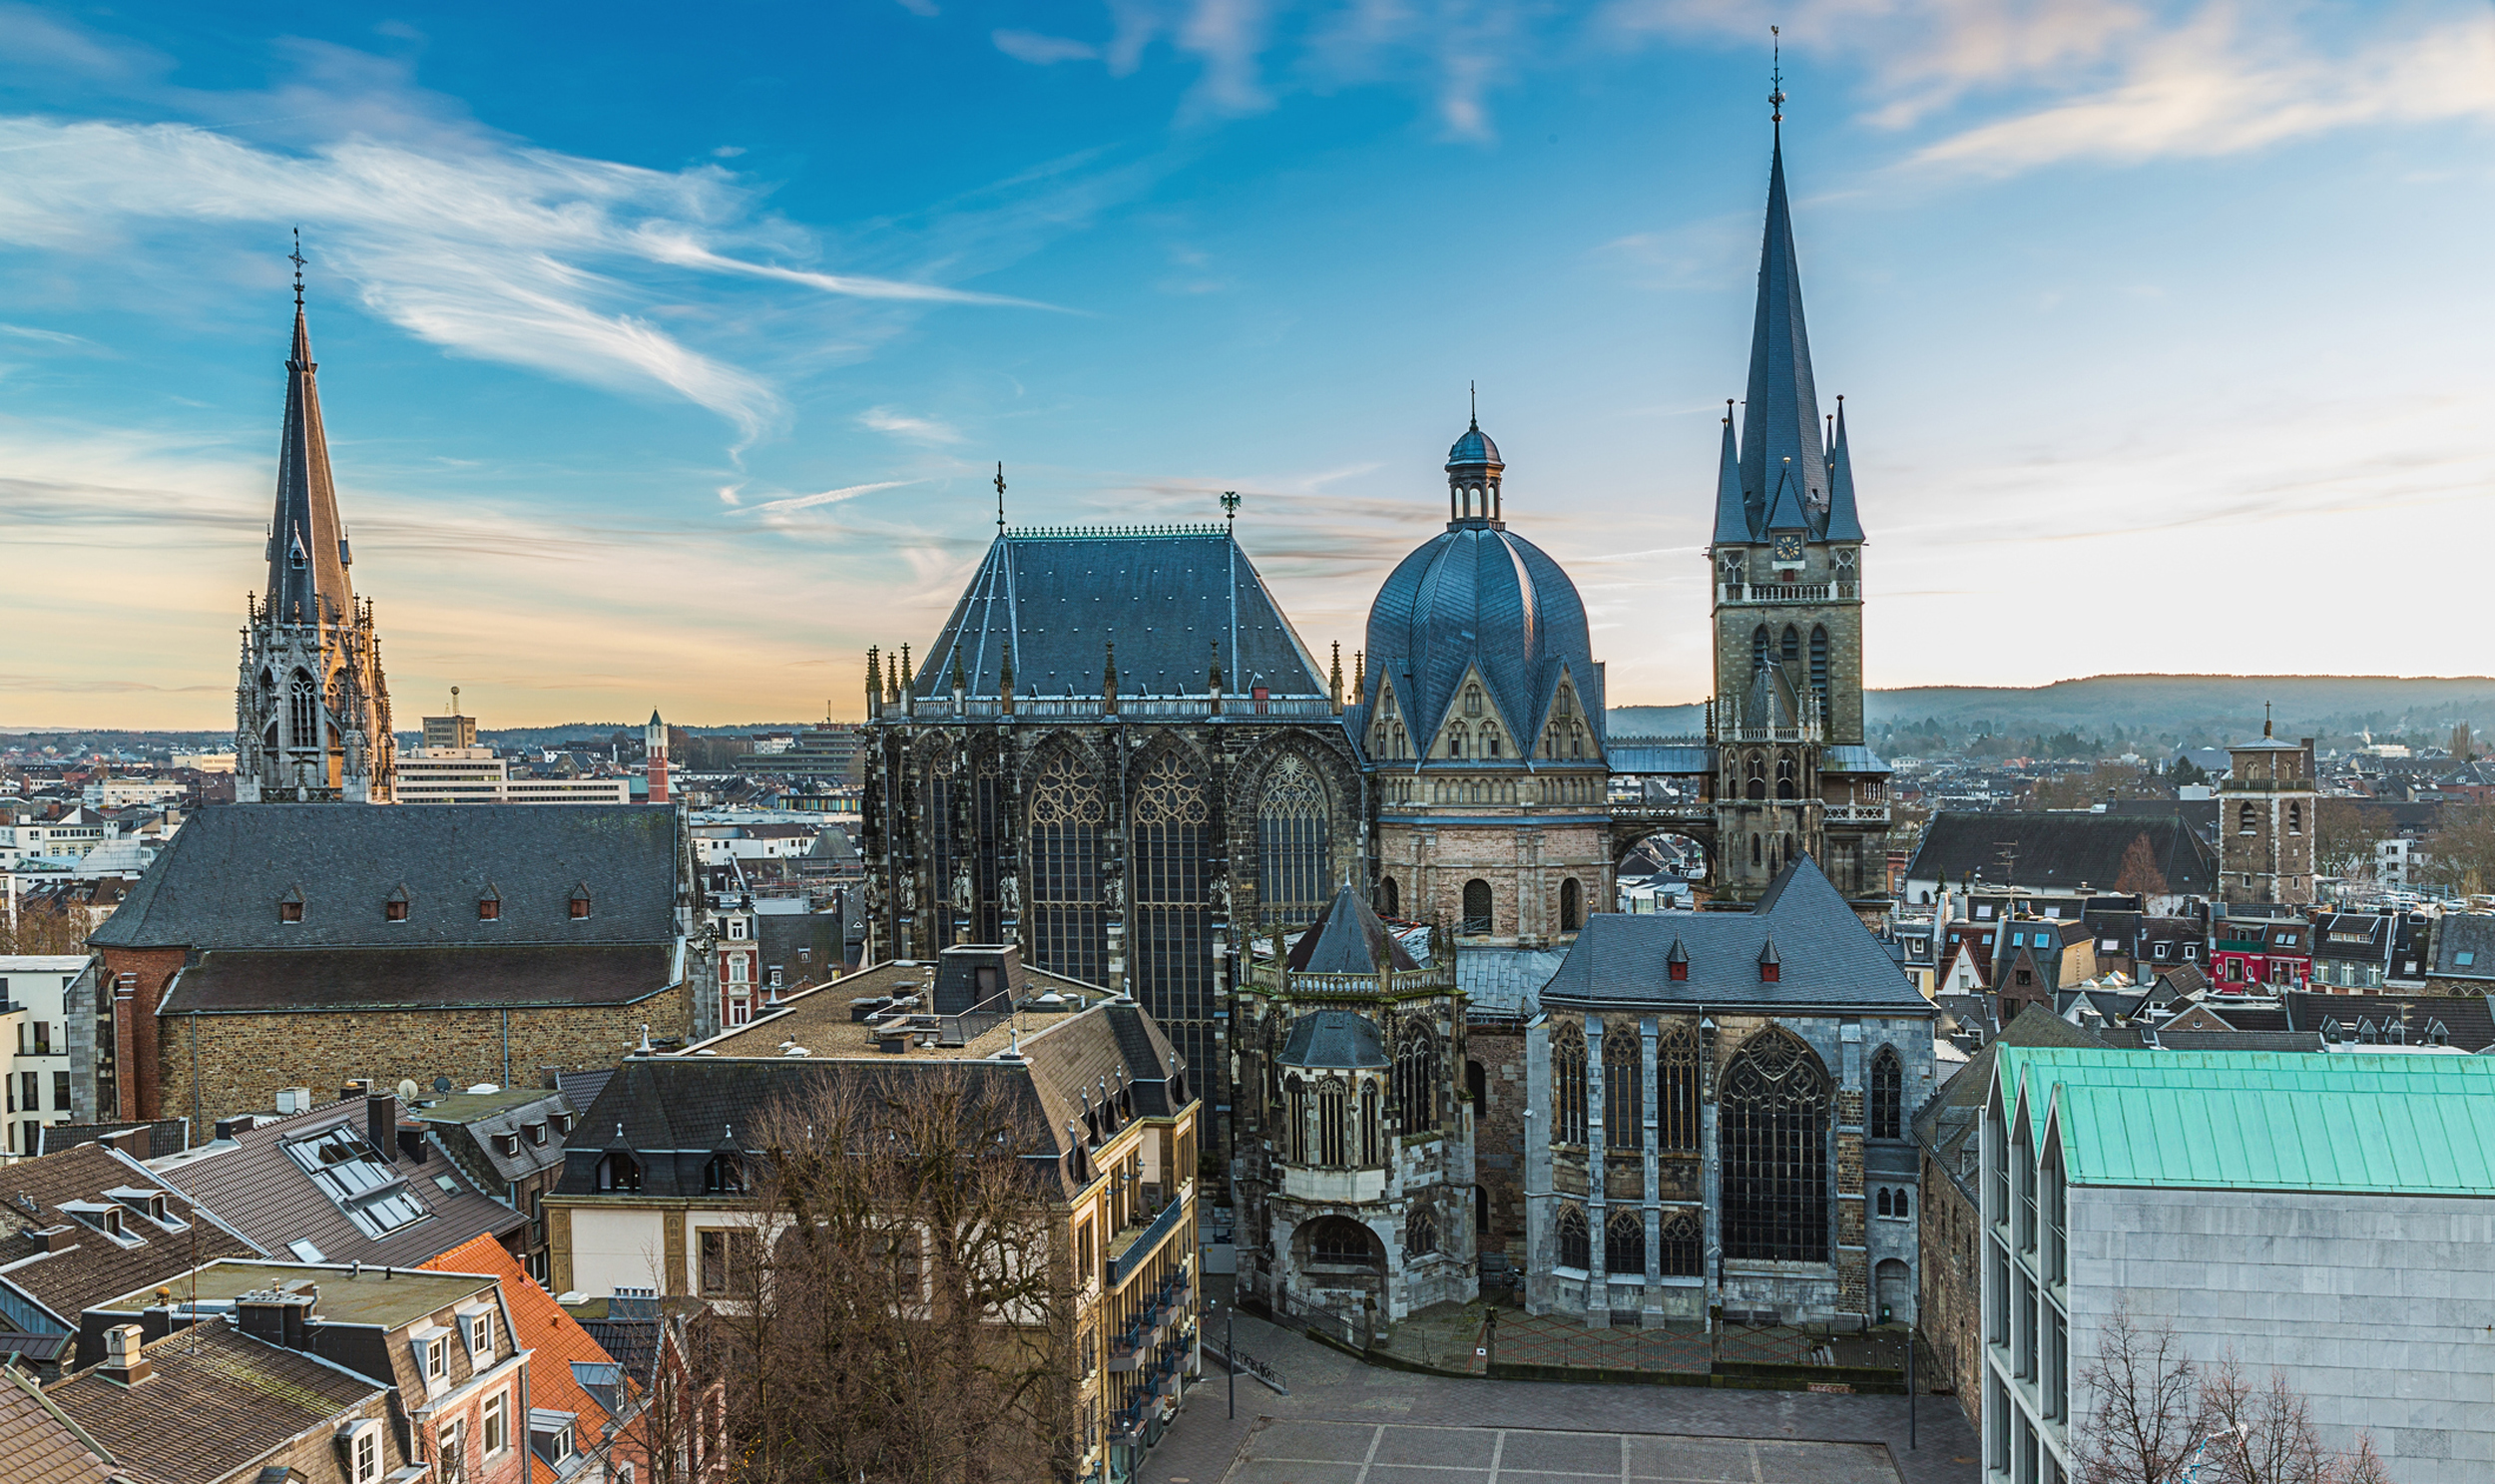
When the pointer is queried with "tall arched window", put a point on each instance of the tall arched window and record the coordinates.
(1819, 672)
(1624, 1243)
(302, 712)
(1775, 1111)
(1476, 908)
(1369, 1146)
(1787, 775)
(1567, 1083)
(1793, 645)
(1416, 1082)
(1295, 1120)
(1676, 1089)
(1758, 642)
(1389, 897)
(1681, 1256)
(1621, 1095)
(1067, 815)
(1575, 1244)
(1572, 905)
(1332, 1113)
(1420, 1232)
(1171, 924)
(1888, 1095)
(1291, 844)
(1758, 778)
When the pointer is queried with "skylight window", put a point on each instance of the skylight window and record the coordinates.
(358, 1180)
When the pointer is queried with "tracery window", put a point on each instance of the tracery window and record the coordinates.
(1889, 1088)
(1416, 1082)
(1172, 923)
(1420, 1232)
(1775, 1111)
(1292, 843)
(1369, 1155)
(1067, 814)
(1676, 1089)
(1332, 1113)
(302, 712)
(1478, 917)
(1340, 1241)
(1785, 776)
(1621, 1089)
(1567, 1083)
(1681, 1256)
(1758, 778)
(1624, 1243)
(1576, 1245)
(1295, 1121)
(1572, 905)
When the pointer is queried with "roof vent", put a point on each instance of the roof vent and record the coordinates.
(125, 1361)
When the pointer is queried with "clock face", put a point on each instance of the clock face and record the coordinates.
(1789, 548)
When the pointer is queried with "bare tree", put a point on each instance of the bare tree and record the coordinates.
(2143, 1405)
(905, 1306)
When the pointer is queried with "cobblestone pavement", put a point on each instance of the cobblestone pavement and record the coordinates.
(1204, 1445)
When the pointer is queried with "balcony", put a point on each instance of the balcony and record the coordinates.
(1129, 1248)
(1857, 814)
(1763, 593)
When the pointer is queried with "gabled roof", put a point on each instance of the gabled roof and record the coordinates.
(2049, 850)
(2464, 947)
(97, 1266)
(219, 882)
(1826, 956)
(255, 1186)
(554, 1339)
(218, 1401)
(1173, 602)
(1947, 1125)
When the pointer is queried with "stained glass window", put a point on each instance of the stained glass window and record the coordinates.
(1067, 815)
(1775, 1107)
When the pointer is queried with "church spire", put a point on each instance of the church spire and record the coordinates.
(1781, 421)
(307, 555)
(1734, 520)
(1843, 523)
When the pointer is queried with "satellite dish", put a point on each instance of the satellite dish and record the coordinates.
(407, 1090)
(441, 1085)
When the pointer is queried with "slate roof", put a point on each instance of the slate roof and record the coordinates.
(1651, 755)
(2467, 1018)
(217, 883)
(1332, 1040)
(306, 552)
(38, 1445)
(2356, 938)
(1947, 1125)
(1505, 981)
(238, 1400)
(1171, 603)
(97, 1267)
(257, 1188)
(247, 982)
(486, 1117)
(674, 1112)
(2060, 850)
(1827, 957)
(2468, 935)
(1347, 939)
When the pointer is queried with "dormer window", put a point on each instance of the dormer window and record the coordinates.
(560, 1123)
(619, 1171)
(1771, 967)
(537, 1134)
(579, 901)
(509, 1142)
(489, 904)
(394, 907)
(291, 907)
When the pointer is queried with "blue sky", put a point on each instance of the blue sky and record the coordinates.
(666, 362)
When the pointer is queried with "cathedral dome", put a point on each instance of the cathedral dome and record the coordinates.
(1479, 599)
(1474, 448)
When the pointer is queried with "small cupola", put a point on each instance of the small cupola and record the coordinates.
(1473, 472)
(1677, 962)
(1771, 967)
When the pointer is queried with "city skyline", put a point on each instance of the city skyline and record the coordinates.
(665, 411)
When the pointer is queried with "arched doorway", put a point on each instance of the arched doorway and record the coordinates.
(1895, 1286)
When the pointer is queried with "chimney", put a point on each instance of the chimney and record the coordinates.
(124, 1361)
(275, 1316)
(382, 1121)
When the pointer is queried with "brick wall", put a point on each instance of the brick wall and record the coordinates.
(1949, 1307)
(216, 1065)
(134, 1023)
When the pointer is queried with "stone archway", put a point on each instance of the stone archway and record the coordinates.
(1656, 868)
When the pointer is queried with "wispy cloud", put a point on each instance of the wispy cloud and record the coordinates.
(47, 336)
(826, 497)
(1043, 51)
(902, 425)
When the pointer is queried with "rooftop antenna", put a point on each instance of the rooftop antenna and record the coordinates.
(1230, 508)
(1000, 497)
(1775, 78)
(297, 258)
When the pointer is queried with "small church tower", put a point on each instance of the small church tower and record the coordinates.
(2265, 821)
(311, 709)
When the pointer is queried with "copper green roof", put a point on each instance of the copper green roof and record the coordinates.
(2418, 1125)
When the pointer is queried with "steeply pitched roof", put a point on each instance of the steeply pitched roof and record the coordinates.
(1347, 939)
(2049, 850)
(554, 1339)
(2464, 947)
(258, 1189)
(219, 1401)
(1827, 957)
(422, 978)
(1332, 1040)
(1171, 603)
(1782, 419)
(219, 883)
(97, 1266)
(307, 555)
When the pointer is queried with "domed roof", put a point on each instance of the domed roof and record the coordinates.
(1474, 447)
(1477, 596)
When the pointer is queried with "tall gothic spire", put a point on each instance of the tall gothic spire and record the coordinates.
(1843, 523)
(308, 556)
(1781, 421)
(1733, 521)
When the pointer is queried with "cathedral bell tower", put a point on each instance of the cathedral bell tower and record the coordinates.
(311, 709)
(1792, 773)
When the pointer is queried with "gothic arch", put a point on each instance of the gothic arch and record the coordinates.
(1886, 1113)
(1069, 813)
(1622, 1090)
(1170, 826)
(1417, 1065)
(1576, 1245)
(1293, 798)
(1676, 1090)
(1567, 1083)
(1773, 1104)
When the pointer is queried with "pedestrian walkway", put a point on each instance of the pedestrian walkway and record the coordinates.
(1292, 1452)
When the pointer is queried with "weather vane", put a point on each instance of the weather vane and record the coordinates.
(297, 258)
(1776, 76)
(1229, 507)
(1000, 497)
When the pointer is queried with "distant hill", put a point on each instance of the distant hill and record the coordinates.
(2159, 710)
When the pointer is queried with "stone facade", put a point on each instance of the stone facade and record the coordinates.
(1949, 1306)
(2266, 822)
(216, 1065)
(1424, 868)
(1494, 1063)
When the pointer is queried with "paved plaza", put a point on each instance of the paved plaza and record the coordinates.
(1295, 1452)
